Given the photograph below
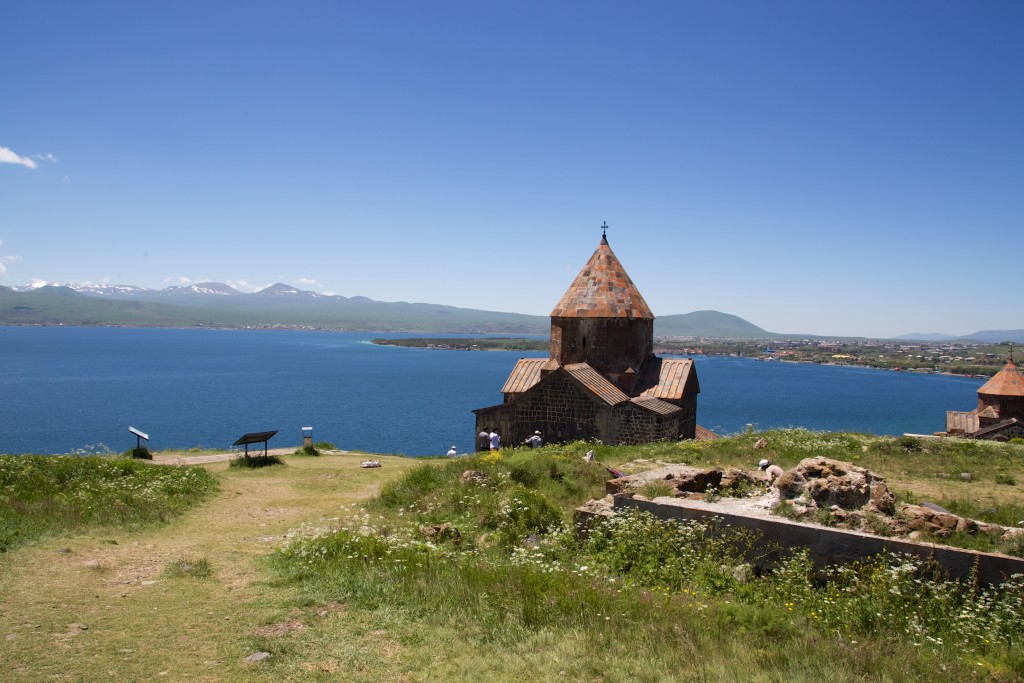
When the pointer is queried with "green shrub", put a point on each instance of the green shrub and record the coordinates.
(414, 485)
(524, 512)
(909, 443)
(307, 450)
(139, 452)
(656, 489)
(255, 461)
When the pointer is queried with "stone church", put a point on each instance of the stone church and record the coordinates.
(1000, 412)
(602, 379)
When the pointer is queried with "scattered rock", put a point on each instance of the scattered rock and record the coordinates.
(440, 533)
(92, 564)
(743, 573)
(965, 476)
(256, 657)
(63, 551)
(761, 443)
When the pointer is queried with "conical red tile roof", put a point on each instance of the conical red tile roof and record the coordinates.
(1007, 382)
(602, 290)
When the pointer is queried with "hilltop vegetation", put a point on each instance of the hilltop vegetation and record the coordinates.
(44, 495)
(427, 577)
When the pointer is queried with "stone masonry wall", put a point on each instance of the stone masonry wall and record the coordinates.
(557, 407)
(633, 425)
(609, 345)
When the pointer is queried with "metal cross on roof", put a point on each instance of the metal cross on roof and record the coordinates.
(604, 229)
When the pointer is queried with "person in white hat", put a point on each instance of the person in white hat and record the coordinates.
(452, 453)
(773, 471)
(535, 441)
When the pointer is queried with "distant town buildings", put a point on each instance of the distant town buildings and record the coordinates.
(1000, 412)
(601, 379)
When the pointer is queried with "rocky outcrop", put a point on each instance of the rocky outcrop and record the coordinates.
(843, 494)
(823, 483)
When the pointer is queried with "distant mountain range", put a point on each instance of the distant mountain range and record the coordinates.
(987, 336)
(214, 304)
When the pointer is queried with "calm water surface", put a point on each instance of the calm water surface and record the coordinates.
(64, 388)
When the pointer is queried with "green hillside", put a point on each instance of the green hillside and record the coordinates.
(708, 324)
(60, 305)
(64, 306)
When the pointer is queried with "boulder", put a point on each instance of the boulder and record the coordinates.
(439, 533)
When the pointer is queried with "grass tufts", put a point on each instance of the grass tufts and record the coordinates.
(188, 568)
(255, 461)
(41, 495)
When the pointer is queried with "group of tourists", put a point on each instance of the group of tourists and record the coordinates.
(489, 440)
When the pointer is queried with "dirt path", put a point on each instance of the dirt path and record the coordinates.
(177, 458)
(102, 606)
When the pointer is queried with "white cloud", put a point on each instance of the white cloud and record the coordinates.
(5, 259)
(7, 156)
(182, 280)
(308, 282)
(46, 157)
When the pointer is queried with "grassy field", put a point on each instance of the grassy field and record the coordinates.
(144, 618)
(326, 566)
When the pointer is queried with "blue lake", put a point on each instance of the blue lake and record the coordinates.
(64, 389)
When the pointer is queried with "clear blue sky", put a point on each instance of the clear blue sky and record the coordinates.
(839, 168)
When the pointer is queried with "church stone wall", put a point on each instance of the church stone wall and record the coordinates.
(609, 345)
(633, 425)
(558, 407)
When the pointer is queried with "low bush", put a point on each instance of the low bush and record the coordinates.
(140, 453)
